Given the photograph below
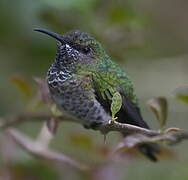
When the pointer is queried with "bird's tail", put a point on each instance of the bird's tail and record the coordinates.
(150, 151)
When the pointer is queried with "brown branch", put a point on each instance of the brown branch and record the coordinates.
(25, 117)
(38, 147)
(171, 138)
(105, 128)
(41, 151)
(126, 128)
(113, 126)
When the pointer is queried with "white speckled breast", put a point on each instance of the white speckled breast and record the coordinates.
(71, 96)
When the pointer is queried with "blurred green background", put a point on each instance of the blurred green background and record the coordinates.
(149, 38)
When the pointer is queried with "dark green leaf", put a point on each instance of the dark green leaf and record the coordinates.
(182, 94)
(22, 84)
(159, 107)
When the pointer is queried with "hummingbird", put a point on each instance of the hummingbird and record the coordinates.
(83, 80)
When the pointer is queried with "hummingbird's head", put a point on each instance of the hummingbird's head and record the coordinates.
(76, 47)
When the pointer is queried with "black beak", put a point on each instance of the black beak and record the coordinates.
(52, 34)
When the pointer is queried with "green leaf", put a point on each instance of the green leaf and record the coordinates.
(81, 140)
(182, 94)
(116, 104)
(22, 85)
(159, 107)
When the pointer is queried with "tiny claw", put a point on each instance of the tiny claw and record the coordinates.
(112, 120)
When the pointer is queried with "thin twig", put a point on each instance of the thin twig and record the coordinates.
(113, 126)
(105, 128)
(172, 138)
(126, 128)
(42, 152)
(25, 117)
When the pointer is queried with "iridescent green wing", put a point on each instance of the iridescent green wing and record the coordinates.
(111, 79)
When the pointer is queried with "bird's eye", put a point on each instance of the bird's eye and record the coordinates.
(86, 50)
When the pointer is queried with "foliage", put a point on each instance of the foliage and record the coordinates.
(182, 94)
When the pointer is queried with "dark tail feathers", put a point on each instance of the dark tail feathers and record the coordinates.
(150, 151)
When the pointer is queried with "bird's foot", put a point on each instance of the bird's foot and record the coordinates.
(112, 120)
